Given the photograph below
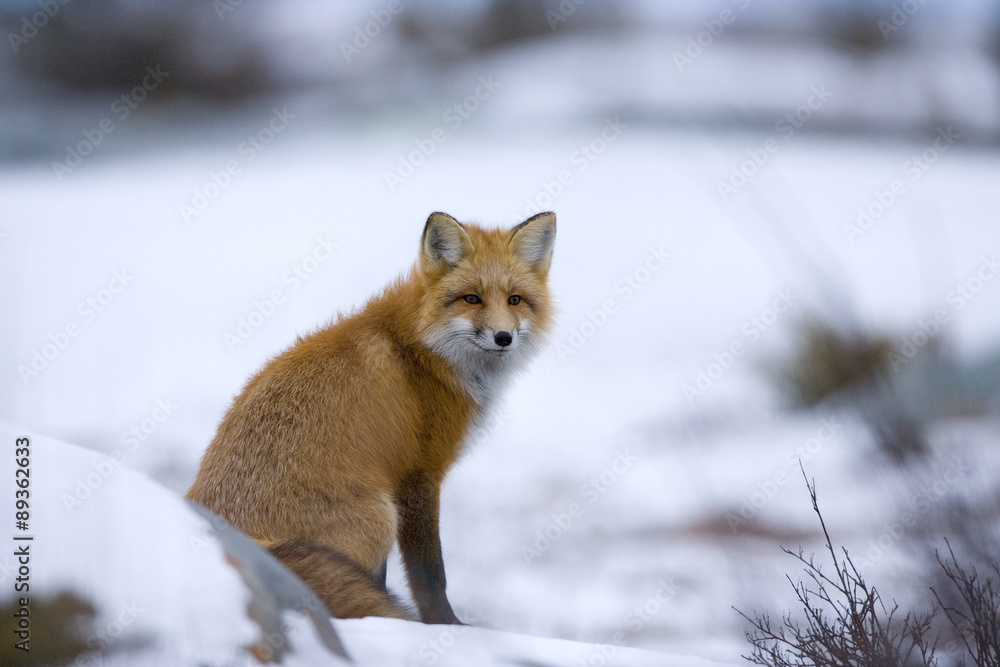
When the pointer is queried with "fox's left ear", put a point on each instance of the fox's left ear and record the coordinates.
(533, 240)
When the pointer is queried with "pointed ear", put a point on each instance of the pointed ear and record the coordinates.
(533, 239)
(444, 242)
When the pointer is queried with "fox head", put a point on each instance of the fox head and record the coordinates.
(486, 305)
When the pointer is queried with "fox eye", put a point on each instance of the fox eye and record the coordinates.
(514, 300)
(472, 298)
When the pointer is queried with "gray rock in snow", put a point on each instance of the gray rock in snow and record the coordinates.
(275, 589)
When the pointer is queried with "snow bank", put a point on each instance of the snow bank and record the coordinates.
(383, 641)
(165, 594)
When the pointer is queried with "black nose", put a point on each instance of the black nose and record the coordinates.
(503, 338)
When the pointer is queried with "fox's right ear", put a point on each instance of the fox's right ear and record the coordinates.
(444, 243)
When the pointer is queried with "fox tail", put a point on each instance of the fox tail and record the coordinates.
(346, 588)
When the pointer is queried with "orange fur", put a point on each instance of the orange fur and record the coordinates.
(339, 445)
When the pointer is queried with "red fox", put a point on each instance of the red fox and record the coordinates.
(338, 447)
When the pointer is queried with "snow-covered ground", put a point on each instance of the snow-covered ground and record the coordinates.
(595, 504)
(638, 481)
(164, 595)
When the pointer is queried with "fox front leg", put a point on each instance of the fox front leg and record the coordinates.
(420, 545)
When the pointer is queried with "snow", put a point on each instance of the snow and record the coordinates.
(384, 641)
(595, 504)
(136, 551)
(158, 578)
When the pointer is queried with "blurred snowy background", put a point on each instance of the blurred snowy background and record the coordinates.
(779, 228)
